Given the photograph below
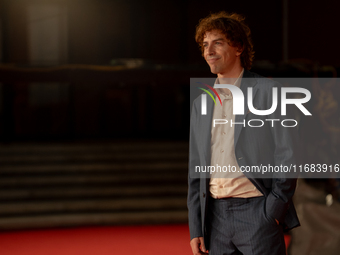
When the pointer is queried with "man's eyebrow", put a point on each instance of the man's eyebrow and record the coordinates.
(218, 39)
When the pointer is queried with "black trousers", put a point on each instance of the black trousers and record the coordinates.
(241, 226)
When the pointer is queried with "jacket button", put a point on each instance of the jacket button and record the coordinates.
(203, 194)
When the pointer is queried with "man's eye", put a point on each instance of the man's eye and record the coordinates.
(205, 45)
(218, 43)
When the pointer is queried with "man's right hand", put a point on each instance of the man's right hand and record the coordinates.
(195, 244)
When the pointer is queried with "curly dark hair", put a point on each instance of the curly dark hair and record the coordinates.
(235, 30)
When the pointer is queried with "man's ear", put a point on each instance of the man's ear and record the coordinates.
(239, 51)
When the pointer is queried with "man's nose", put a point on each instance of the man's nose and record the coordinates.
(210, 50)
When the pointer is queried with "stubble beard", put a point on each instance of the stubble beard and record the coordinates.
(214, 69)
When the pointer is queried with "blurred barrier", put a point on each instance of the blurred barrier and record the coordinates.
(80, 101)
(320, 221)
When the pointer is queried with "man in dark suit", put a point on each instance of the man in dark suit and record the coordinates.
(238, 212)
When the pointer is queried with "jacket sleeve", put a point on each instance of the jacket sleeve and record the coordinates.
(286, 143)
(193, 201)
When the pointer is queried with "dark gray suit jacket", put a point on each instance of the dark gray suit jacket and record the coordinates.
(253, 146)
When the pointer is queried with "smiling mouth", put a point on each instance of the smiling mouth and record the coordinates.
(212, 60)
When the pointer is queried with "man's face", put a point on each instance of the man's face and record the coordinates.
(222, 58)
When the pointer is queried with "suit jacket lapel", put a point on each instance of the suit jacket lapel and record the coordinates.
(206, 131)
(248, 80)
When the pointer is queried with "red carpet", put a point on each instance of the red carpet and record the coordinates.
(165, 240)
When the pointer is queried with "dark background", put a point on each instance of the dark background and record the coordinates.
(109, 69)
(98, 31)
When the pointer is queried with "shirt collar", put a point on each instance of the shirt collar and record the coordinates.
(236, 83)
